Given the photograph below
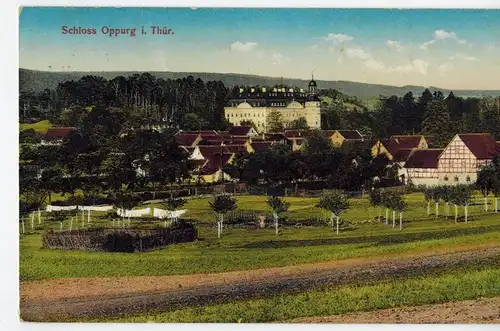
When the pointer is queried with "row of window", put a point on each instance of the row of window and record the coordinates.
(456, 179)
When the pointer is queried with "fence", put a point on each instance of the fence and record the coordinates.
(119, 240)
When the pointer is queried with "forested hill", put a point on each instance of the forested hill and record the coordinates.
(33, 80)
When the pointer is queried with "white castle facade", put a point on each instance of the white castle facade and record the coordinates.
(256, 103)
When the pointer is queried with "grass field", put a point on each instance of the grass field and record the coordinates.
(246, 249)
(301, 208)
(241, 249)
(39, 127)
(456, 284)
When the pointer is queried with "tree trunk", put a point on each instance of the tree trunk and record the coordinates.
(486, 204)
(386, 216)
(496, 205)
(39, 217)
(428, 208)
(437, 209)
(447, 209)
(338, 218)
(456, 214)
(466, 213)
(393, 218)
(379, 216)
(276, 223)
(32, 221)
(71, 224)
(333, 222)
(60, 228)
(221, 223)
(218, 229)
(400, 220)
(88, 216)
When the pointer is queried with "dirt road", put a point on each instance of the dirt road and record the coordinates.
(195, 290)
(484, 310)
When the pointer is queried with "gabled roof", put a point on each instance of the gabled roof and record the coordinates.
(482, 145)
(272, 137)
(424, 158)
(240, 130)
(328, 133)
(186, 139)
(208, 150)
(237, 149)
(260, 145)
(396, 143)
(57, 133)
(201, 133)
(290, 134)
(214, 163)
(350, 134)
(402, 154)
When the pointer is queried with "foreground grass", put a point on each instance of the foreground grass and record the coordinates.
(242, 249)
(465, 284)
(39, 127)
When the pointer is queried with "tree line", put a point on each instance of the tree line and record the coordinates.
(142, 95)
(430, 114)
(350, 168)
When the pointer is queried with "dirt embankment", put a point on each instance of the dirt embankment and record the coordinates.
(484, 310)
(131, 295)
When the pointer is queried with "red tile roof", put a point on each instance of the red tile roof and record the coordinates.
(187, 140)
(350, 134)
(273, 137)
(402, 154)
(208, 150)
(57, 133)
(240, 130)
(296, 133)
(396, 143)
(424, 158)
(260, 145)
(214, 163)
(237, 149)
(482, 145)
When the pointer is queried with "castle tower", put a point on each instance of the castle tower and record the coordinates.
(312, 87)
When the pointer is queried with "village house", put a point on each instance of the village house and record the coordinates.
(421, 166)
(458, 163)
(464, 156)
(55, 136)
(338, 137)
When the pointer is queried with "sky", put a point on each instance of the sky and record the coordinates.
(455, 49)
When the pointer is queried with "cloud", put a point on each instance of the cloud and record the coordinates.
(357, 53)
(445, 68)
(277, 58)
(443, 35)
(463, 57)
(315, 46)
(394, 44)
(338, 37)
(238, 46)
(425, 46)
(414, 66)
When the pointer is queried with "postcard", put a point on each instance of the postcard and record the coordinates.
(259, 165)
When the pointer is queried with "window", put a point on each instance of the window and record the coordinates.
(456, 178)
(445, 178)
(468, 178)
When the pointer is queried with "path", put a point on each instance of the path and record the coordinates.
(55, 300)
(484, 310)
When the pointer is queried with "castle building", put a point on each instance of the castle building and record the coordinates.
(256, 103)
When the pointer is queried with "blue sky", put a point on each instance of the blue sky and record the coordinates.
(446, 48)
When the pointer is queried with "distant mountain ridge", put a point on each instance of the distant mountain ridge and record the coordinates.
(35, 80)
